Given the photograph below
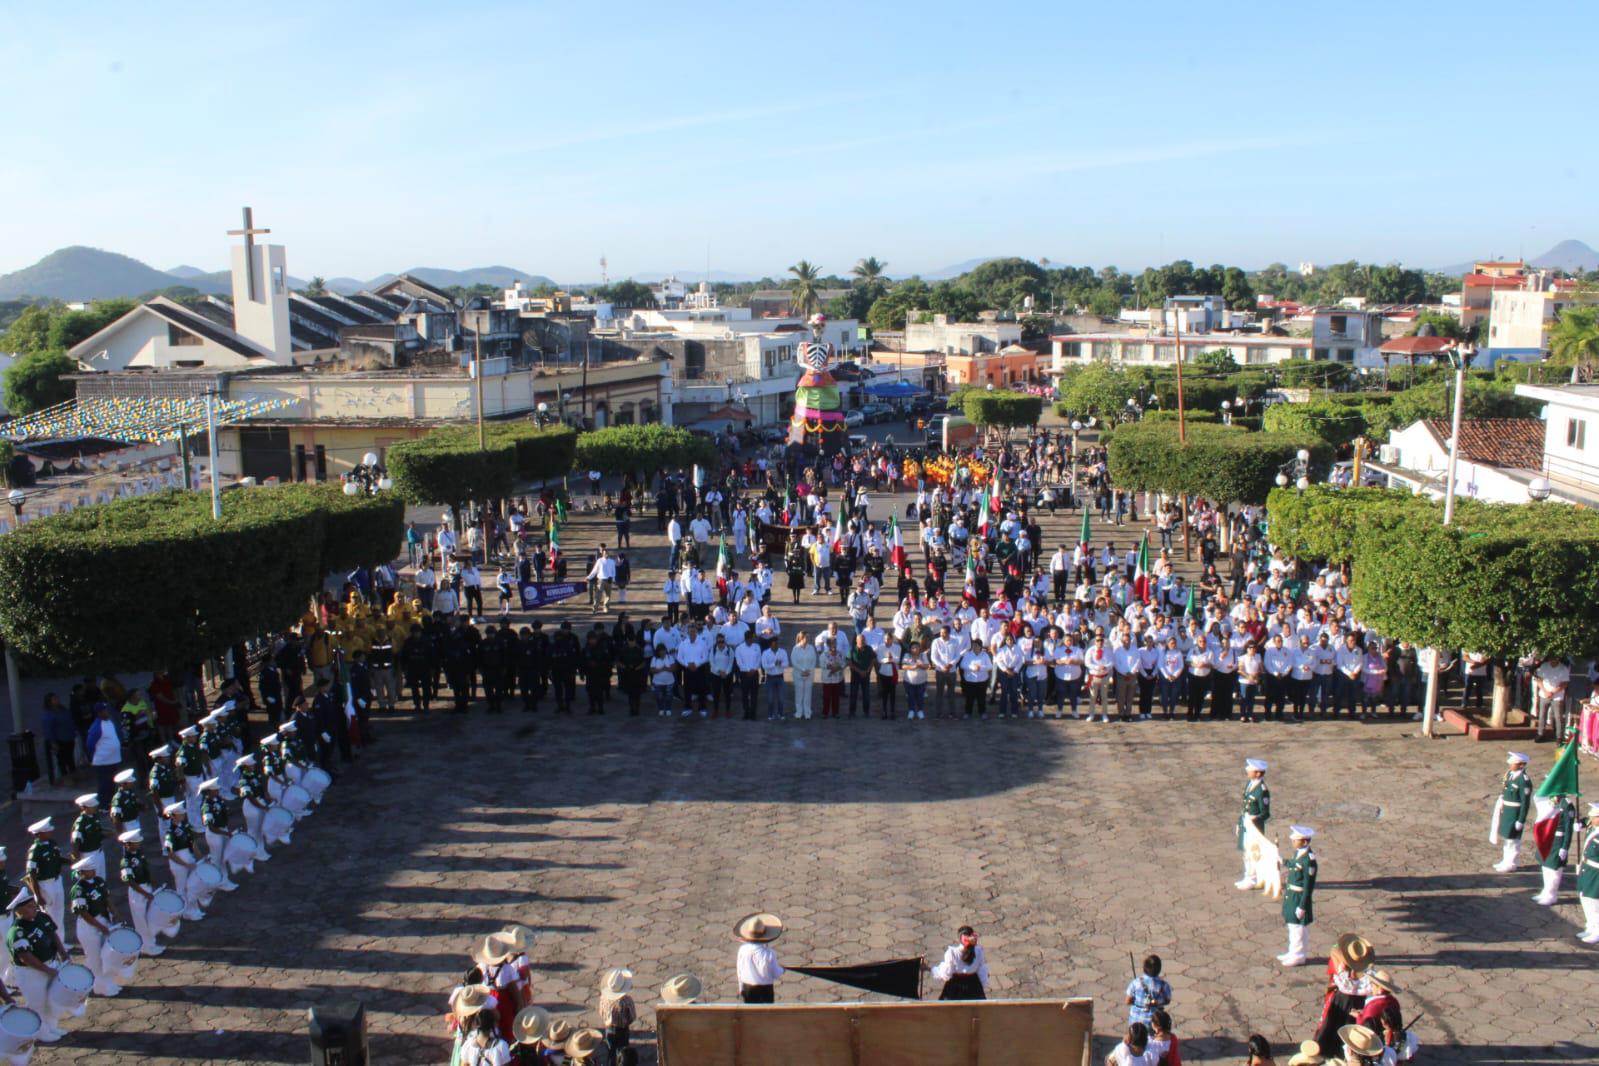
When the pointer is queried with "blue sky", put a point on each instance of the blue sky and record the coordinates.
(375, 137)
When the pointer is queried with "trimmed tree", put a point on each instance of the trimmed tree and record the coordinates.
(1336, 423)
(35, 382)
(448, 467)
(1224, 464)
(1008, 410)
(642, 452)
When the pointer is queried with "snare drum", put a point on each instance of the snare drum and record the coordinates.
(121, 952)
(277, 825)
(205, 881)
(19, 1027)
(69, 990)
(297, 801)
(316, 782)
(239, 853)
(165, 913)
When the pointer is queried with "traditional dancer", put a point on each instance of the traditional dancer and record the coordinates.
(964, 968)
(757, 965)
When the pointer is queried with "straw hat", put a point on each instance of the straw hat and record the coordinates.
(520, 936)
(530, 1025)
(496, 948)
(617, 982)
(1355, 952)
(1360, 1040)
(585, 1042)
(555, 1036)
(470, 1000)
(1309, 1054)
(1381, 979)
(758, 928)
(682, 989)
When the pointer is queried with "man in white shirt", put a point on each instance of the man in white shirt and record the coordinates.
(700, 529)
(774, 667)
(945, 654)
(603, 574)
(757, 965)
(1549, 683)
(1351, 661)
(747, 669)
(693, 655)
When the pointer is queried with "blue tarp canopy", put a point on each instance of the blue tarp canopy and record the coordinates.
(894, 390)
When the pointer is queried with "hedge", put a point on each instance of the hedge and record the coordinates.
(642, 451)
(1189, 417)
(447, 466)
(1013, 410)
(1226, 464)
(358, 530)
(543, 453)
(156, 581)
(1338, 424)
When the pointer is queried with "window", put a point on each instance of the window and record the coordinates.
(1320, 353)
(180, 338)
(1576, 433)
(1346, 355)
(1338, 323)
(277, 280)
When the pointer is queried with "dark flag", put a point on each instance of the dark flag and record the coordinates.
(896, 977)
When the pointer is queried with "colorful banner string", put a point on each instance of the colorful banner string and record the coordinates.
(133, 419)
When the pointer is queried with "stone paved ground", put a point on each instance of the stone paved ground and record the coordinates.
(638, 842)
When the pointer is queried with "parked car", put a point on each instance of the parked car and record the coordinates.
(877, 412)
(854, 418)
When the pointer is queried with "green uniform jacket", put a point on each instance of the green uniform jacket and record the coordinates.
(1257, 808)
(1564, 839)
(190, 760)
(87, 833)
(91, 896)
(44, 859)
(179, 837)
(1588, 872)
(36, 937)
(1514, 804)
(125, 805)
(1299, 885)
(135, 869)
(214, 813)
(164, 781)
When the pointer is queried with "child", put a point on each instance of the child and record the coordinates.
(507, 591)
(1133, 1050)
(617, 1011)
(1163, 1042)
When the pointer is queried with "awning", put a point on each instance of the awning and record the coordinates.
(894, 390)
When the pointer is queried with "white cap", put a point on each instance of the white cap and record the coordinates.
(43, 825)
(85, 863)
(124, 776)
(132, 836)
(210, 783)
(25, 896)
(244, 760)
(223, 707)
(175, 808)
(1516, 756)
(88, 799)
(271, 740)
(162, 752)
(1303, 832)
(288, 727)
(1255, 764)
(1593, 812)
(189, 731)
(2, 854)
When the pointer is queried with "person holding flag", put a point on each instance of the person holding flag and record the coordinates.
(1141, 571)
(1555, 830)
(1510, 811)
(896, 540)
(1085, 553)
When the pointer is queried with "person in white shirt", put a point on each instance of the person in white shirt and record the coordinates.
(832, 661)
(803, 661)
(747, 664)
(721, 676)
(774, 665)
(976, 668)
(944, 656)
(1549, 683)
(874, 636)
(888, 656)
(663, 674)
(1351, 661)
(757, 965)
(472, 588)
(1009, 662)
(1251, 676)
(700, 530)
(1134, 1049)
(1125, 661)
(767, 627)
(603, 574)
(964, 969)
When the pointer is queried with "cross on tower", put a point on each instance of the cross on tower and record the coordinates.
(248, 233)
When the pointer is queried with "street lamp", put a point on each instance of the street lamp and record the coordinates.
(368, 477)
(1226, 412)
(16, 499)
(1540, 488)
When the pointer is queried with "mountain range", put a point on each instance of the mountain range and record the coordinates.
(81, 273)
(1569, 255)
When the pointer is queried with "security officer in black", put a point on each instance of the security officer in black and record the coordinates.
(416, 659)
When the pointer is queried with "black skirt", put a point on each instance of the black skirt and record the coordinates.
(963, 986)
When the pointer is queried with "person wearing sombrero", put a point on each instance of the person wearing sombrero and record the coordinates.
(553, 1044)
(1362, 1047)
(1381, 1013)
(681, 990)
(588, 1046)
(528, 1030)
(1299, 887)
(1257, 810)
(496, 957)
(1347, 988)
(1309, 1054)
(757, 965)
(522, 938)
(617, 1009)
(1510, 811)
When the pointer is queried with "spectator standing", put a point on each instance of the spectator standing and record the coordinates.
(104, 746)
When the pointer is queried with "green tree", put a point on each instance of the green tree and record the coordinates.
(1004, 283)
(35, 381)
(1097, 390)
(72, 327)
(1442, 325)
(1574, 339)
(888, 311)
(856, 302)
(1104, 302)
(869, 275)
(803, 288)
(1216, 361)
(1224, 464)
(317, 286)
(29, 332)
(1008, 410)
(956, 301)
(628, 294)
(641, 452)
(1335, 423)
(1236, 290)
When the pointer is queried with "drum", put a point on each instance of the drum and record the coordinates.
(206, 880)
(277, 825)
(297, 801)
(69, 991)
(274, 790)
(19, 1026)
(316, 782)
(239, 853)
(121, 953)
(165, 913)
(294, 772)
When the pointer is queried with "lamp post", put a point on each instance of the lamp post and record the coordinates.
(367, 477)
(1459, 356)
(17, 500)
(1226, 412)
(1539, 489)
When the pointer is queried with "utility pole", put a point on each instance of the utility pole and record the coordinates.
(1461, 356)
(1182, 425)
(211, 444)
(477, 366)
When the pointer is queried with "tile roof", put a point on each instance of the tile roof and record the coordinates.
(1417, 345)
(1513, 442)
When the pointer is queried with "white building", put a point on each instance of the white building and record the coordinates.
(1499, 458)
(1519, 321)
(1569, 462)
(1148, 349)
(939, 334)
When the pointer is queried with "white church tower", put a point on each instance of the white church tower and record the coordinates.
(261, 292)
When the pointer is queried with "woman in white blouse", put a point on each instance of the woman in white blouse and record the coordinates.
(964, 968)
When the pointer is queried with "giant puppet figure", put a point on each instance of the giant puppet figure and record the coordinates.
(818, 419)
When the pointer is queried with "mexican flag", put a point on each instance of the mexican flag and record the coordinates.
(555, 541)
(1192, 610)
(982, 514)
(1560, 781)
(1087, 535)
(724, 559)
(1141, 570)
(896, 540)
(971, 564)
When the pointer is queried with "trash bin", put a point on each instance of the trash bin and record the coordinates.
(24, 761)
(338, 1035)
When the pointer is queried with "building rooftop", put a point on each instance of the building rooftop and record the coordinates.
(1510, 442)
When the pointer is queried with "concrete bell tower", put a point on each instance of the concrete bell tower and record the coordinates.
(261, 292)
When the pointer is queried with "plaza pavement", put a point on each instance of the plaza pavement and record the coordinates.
(638, 842)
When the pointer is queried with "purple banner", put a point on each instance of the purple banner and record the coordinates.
(542, 593)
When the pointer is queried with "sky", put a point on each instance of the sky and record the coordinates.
(378, 137)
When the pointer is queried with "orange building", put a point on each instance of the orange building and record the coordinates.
(1006, 368)
(1477, 288)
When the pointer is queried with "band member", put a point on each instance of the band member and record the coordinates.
(964, 968)
(1587, 879)
(1299, 886)
(757, 965)
(1510, 811)
(91, 905)
(135, 871)
(1553, 865)
(88, 833)
(178, 844)
(43, 873)
(252, 789)
(214, 816)
(34, 945)
(1257, 809)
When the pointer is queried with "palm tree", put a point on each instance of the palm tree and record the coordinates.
(316, 287)
(869, 271)
(802, 292)
(1574, 340)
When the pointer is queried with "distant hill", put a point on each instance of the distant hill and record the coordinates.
(344, 286)
(687, 277)
(1569, 255)
(80, 273)
(498, 276)
(185, 271)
